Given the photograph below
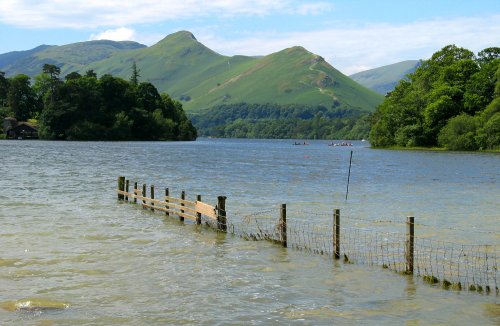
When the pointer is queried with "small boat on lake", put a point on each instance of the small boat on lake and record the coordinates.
(340, 144)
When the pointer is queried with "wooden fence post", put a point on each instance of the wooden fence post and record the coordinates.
(198, 215)
(135, 192)
(221, 213)
(152, 197)
(166, 200)
(336, 233)
(127, 188)
(121, 187)
(410, 243)
(143, 193)
(183, 197)
(283, 225)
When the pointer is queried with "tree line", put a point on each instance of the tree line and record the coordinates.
(84, 107)
(275, 121)
(452, 101)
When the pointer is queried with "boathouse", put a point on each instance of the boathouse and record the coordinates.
(19, 130)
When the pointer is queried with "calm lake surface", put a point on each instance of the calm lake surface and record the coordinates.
(66, 240)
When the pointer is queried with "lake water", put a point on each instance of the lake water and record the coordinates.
(66, 241)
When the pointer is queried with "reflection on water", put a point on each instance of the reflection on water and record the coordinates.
(66, 240)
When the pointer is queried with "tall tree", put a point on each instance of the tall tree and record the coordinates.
(134, 78)
(21, 97)
(451, 90)
(90, 73)
(4, 89)
(53, 73)
(52, 70)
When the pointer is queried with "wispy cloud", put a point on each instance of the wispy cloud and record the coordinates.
(314, 8)
(349, 46)
(117, 34)
(115, 13)
(357, 48)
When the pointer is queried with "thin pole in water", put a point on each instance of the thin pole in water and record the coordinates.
(348, 177)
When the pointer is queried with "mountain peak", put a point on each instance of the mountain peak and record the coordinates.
(187, 34)
(178, 37)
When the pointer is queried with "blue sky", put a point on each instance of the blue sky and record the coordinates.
(351, 35)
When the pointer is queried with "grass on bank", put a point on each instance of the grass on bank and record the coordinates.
(434, 148)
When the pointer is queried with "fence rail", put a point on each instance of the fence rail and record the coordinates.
(193, 210)
(450, 265)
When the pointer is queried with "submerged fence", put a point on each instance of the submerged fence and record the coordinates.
(451, 265)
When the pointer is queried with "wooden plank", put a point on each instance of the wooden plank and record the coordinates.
(206, 209)
(180, 201)
(122, 192)
(187, 202)
(189, 209)
(172, 199)
(158, 208)
(189, 216)
(174, 206)
(158, 201)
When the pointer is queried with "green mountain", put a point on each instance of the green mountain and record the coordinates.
(10, 58)
(201, 78)
(71, 57)
(383, 79)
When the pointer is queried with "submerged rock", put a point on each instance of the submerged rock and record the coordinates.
(33, 305)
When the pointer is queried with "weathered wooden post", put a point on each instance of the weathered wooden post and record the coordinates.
(121, 187)
(336, 233)
(166, 200)
(135, 192)
(183, 197)
(127, 188)
(410, 243)
(143, 194)
(283, 239)
(221, 213)
(198, 215)
(152, 197)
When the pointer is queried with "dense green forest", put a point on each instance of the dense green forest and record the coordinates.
(452, 101)
(84, 107)
(276, 121)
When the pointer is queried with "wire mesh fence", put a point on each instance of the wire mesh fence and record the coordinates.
(451, 265)
(354, 240)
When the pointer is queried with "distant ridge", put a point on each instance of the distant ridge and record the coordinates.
(383, 79)
(201, 78)
(70, 57)
(9, 58)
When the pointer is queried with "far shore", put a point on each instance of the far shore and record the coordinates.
(436, 149)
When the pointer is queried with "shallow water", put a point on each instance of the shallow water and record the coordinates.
(66, 240)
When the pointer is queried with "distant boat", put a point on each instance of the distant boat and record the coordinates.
(340, 144)
(299, 143)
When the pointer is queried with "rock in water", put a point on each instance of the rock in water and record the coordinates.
(33, 305)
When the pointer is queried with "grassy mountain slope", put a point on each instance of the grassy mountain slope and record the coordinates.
(384, 79)
(71, 57)
(186, 69)
(9, 58)
(202, 78)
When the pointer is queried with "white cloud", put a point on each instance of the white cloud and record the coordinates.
(113, 13)
(314, 8)
(350, 47)
(355, 48)
(117, 34)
